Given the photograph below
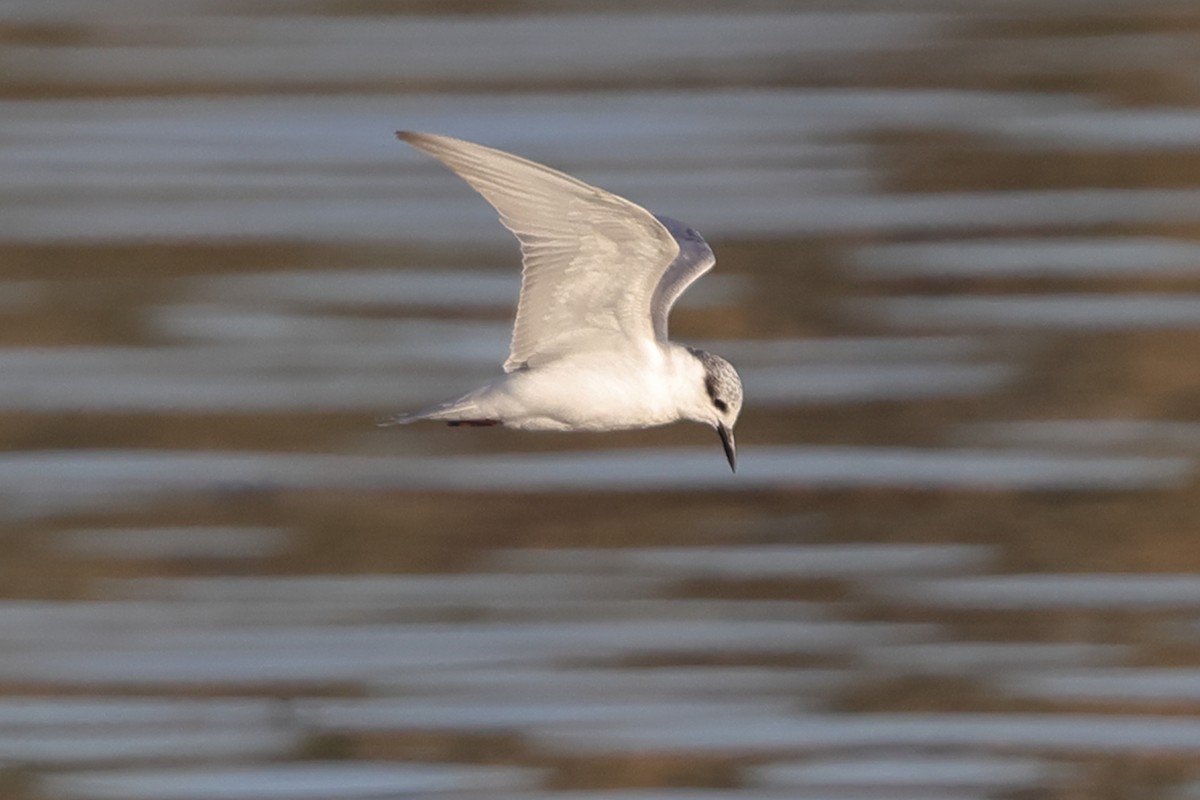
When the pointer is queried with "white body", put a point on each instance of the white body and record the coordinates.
(600, 390)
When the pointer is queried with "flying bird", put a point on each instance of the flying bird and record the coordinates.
(589, 348)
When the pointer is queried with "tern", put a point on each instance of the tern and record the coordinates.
(589, 349)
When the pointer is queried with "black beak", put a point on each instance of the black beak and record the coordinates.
(728, 443)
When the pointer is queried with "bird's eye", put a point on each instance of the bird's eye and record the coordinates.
(720, 405)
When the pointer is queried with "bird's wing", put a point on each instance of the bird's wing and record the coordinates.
(592, 261)
(694, 259)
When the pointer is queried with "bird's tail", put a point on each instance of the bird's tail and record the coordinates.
(389, 420)
(462, 409)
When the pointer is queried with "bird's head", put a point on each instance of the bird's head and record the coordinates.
(720, 401)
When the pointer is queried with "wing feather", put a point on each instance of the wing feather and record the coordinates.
(593, 261)
(694, 259)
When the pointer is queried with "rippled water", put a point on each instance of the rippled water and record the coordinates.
(956, 268)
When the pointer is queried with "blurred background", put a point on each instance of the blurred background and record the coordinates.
(958, 268)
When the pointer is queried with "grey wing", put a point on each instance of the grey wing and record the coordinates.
(592, 260)
(694, 259)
